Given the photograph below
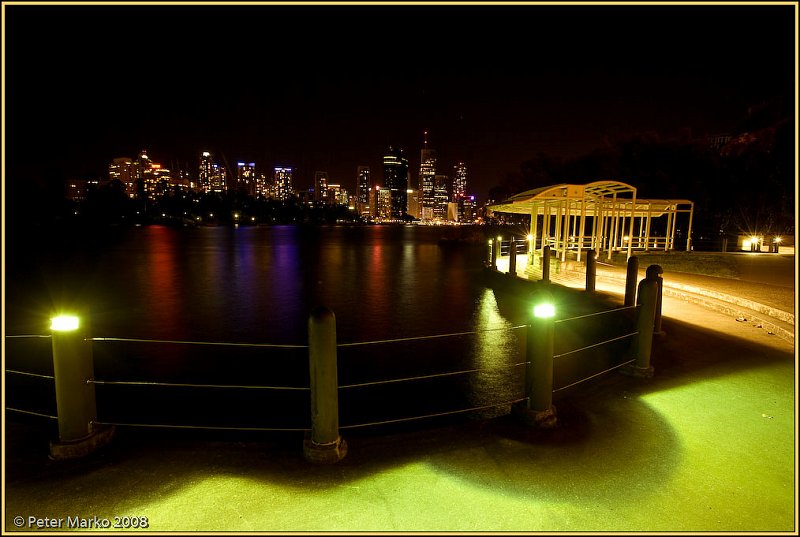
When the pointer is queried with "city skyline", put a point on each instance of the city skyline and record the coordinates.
(261, 83)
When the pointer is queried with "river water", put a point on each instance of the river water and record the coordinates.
(258, 285)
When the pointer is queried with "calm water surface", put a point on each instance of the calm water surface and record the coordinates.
(258, 285)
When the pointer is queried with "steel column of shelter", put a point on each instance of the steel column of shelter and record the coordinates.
(582, 228)
(614, 227)
(534, 230)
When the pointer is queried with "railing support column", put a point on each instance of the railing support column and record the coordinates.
(538, 410)
(630, 281)
(546, 264)
(654, 272)
(323, 444)
(494, 245)
(78, 433)
(643, 343)
(591, 270)
(512, 257)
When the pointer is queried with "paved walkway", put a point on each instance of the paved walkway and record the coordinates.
(763, 294)
(707, 444)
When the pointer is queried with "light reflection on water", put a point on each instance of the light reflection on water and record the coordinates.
(258, 285)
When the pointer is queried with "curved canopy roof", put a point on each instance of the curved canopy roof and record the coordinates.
(592, 193)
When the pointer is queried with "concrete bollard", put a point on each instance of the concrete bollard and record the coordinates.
(538, 410)
(643, 343)
(546, 264)
(512, 257)
(631, 278)
(78, 432)
(591, 270)
(323, 444)
(654, 272)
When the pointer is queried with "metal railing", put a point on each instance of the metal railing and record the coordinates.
(75, 381)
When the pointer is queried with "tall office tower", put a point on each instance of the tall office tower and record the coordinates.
(246, 178)
(440, 197)
(219, 178)
(467, 209)
(337, 195)
(142, 173)
(363, 185)
(321, 187)
(205, 171)
(459, 181)
(427, 179)
(395, 179)
(413, 207)
(262, 185)
(283, 183)
(122, 170)
(383, 202)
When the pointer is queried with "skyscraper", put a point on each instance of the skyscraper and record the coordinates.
(246, 177)
(211, 176)
(282, 183)
(363, 184)
(395, 179)
(440, 197)
(427, 179)
(122, 170)
(204, 172)
(321, 187)
(459, 181)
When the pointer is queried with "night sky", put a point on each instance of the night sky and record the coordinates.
(330, 87)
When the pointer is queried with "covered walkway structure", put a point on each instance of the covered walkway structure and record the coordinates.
(604, 216)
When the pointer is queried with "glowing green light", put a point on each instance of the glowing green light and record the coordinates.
(543, 311)
(64, 323)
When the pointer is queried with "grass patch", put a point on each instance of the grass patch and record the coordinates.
(709, 264)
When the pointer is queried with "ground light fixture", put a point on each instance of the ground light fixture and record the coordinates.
(64, 323)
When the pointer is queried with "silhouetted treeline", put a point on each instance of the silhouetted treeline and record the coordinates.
(743, 186)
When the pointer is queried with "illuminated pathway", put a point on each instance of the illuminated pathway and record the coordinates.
(707, 444)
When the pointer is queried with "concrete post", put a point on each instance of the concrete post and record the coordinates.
(630, 281)
(643, 343)
(539, 411)
(512, 257)
(654, 273)
(78, 434)
(591, 270)
(546, 264)
(495, 246)
(323, 444)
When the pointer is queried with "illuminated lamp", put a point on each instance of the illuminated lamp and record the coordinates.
(544, 311)
(64, 323)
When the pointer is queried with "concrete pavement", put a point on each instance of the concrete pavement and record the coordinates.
(762, 293)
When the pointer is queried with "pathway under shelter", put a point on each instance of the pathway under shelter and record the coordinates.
(604, 216)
